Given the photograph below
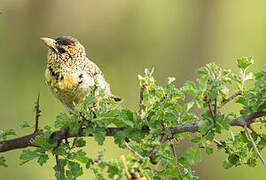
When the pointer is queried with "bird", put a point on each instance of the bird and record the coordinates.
(70, 74)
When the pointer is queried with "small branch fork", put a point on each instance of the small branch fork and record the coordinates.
(134, 152)
(225, 101)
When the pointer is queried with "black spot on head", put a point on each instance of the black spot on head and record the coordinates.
(61, 50)
(66, 40)
(81, 76)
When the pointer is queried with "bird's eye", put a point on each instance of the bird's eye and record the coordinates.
(61, 50)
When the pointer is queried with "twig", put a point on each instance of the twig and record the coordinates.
(153, 151)
(231, 98)
(177, 163)
(255, 132)
(141, 100)
(37, 114)
(99, 160)
(191, 126)
(254, 146)
(134, 152)
(218, 143)
(123, 159)
(215, 107)
(211, 111)
(58, 164)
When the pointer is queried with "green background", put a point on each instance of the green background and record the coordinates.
(122, 37)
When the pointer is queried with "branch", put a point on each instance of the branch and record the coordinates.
(192, 126)
(38, 114)
(123, 159)
(254, 146)
(134, 152)
(255, 132)
(177, 163)
(225, 101)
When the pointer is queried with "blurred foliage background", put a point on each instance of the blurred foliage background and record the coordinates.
(122, 37)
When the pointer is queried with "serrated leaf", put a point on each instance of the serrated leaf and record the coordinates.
(244, 62)
(3, 161)
(27, 155)
(188, 106)
(6, 132)
(25, 124)
(99, 136)
(204, 127)
(202, 70)
(203, 81)
(192, 155)
(43, 159)
(208, 150)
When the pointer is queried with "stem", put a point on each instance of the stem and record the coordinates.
(177, 163)
(254, 146)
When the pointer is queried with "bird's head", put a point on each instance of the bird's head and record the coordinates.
(64, 49)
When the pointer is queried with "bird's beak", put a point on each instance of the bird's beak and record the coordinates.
(49, 43)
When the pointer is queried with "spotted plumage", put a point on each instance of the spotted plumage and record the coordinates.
(69, 73)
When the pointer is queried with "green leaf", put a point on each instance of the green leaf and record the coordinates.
(208, 150)
(204, 127)
(196, 139)
(6, 132)
(79, 142)
(90, 99)
(25, 124)
(227, 164)
(62, 121)
(3, 161)
(192, 155)
(75, 169)
(244, 62)
(27, 155)
(202, 70)
(43, 159)
(170, 117)
(120, 137)
(99, 136)
(188, 117)
(126, 117)
(188, 106)
(203, 82)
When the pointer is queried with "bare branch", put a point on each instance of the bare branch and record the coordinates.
(177, 163)
(211, 111)
(153, 151)
(191, 126)
(134, 152)
(37, 114)
(58, 164)
(123, 159)
(261, 137)
(225, 101)
(254, 146)
(141, 100)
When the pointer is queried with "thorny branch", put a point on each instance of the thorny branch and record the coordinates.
(191, 126)
(37, 114)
